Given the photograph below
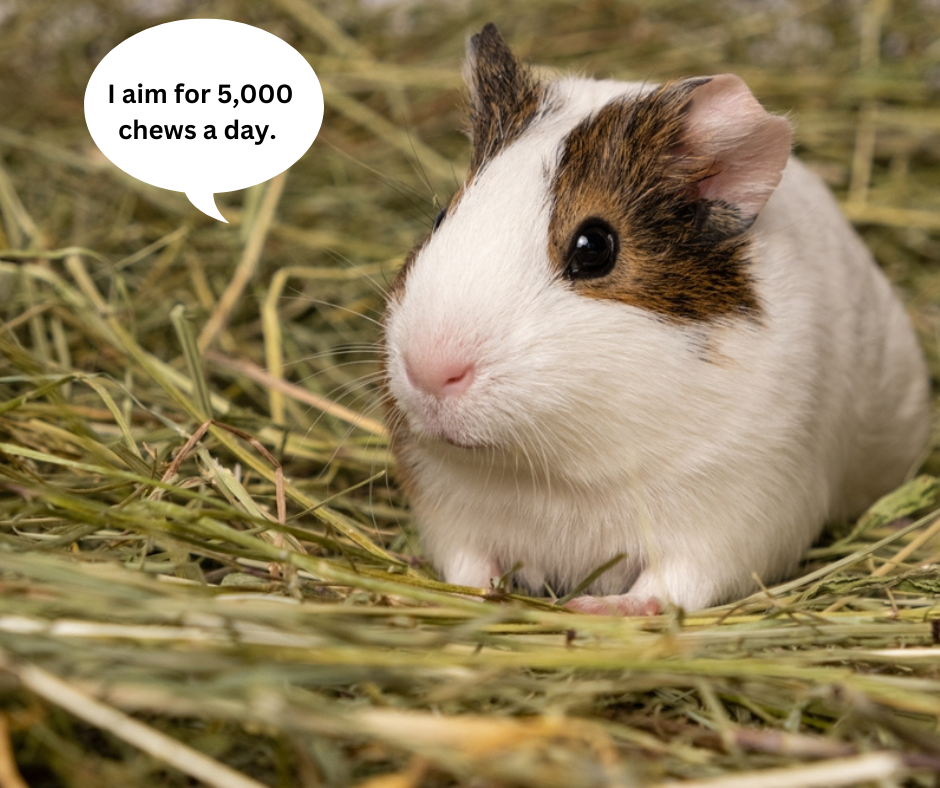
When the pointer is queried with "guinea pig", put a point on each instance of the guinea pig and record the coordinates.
(640, 328)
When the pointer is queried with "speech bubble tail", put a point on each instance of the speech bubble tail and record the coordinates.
(205, 202)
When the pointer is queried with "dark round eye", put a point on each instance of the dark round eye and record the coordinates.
(593, 250)
(439, 218)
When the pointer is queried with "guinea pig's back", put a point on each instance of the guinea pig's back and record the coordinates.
(839, 324)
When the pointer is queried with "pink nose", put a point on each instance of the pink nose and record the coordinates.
(440, 378)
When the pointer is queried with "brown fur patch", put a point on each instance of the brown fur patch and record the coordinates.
(504, 96)
(680, 256)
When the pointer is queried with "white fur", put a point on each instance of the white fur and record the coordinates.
(706, 453)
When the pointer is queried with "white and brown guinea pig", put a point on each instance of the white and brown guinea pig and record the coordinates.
(641, 328)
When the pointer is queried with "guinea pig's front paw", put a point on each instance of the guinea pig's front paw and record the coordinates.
(619, 605)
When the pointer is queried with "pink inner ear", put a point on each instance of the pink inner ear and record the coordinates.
(742, 146)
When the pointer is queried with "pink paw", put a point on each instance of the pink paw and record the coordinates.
(621, 605)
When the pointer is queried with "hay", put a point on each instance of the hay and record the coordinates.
(206, 573)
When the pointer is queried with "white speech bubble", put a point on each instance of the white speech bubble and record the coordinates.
(256, 93)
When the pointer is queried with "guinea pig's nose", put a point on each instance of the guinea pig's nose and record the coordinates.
(440, 378)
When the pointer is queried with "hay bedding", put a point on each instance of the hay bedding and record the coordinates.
(207, 577)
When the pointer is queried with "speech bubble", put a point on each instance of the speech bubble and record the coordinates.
(203, 106)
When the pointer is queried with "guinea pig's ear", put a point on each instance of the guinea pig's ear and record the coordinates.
(736, 148)
(504, 94)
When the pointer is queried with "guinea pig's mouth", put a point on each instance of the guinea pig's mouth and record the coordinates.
(457, 442)
(443, 432)
(432, 423)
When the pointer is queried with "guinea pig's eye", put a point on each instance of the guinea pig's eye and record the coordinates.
(593, 250)
(439, 218)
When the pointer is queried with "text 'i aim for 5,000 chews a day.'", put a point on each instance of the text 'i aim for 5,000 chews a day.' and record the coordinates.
(248, 94)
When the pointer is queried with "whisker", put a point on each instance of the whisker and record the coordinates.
(339, 307)
(399, 187)
(382, 291)
(416, 163)
(332, 367)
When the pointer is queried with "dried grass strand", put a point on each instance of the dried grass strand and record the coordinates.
(162, 747)
(247, 265)
(829, 774)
